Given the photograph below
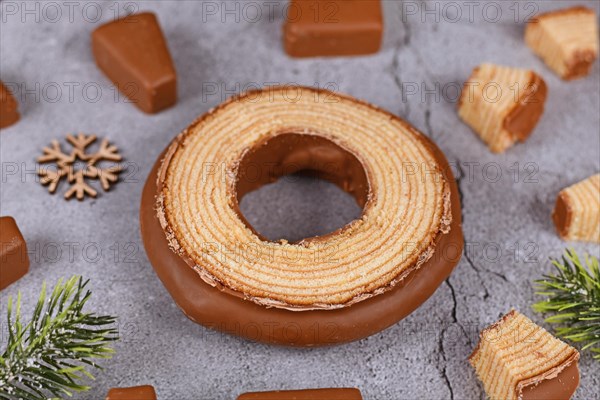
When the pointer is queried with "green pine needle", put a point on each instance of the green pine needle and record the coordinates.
(50, 356)
(573, 296)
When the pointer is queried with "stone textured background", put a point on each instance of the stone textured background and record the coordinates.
(506, 214)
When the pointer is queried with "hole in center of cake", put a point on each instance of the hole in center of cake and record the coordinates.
(299, 186)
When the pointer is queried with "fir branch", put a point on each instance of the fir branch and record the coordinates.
(573, 296)
(48, 357)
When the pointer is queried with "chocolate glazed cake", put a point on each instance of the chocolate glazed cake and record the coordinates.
(322, 290)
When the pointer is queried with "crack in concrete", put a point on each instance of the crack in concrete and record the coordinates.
(444, 368)
(421, 62)
(480, 268)
(459, 183)
(454, 308)
(395, 72)
(486, 292)
(407, 29)
(454, 319)
(498, 274)
(428, 122)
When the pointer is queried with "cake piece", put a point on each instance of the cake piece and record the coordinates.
(9, 113)
(308, 394)
(333, 27)
(576, 213)
(567, 40)
(133, 53)
(367, 169)
(519, 360)
(330, 136)
(145, 392)
(14, 260)
(502, 104)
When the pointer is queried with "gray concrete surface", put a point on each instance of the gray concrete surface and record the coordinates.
(507, 199)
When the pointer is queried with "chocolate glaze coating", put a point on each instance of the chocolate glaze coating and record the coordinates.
(219, 309)
(145, 392)
(521, 121)
(14, 259)
(133, 53)
(9, 113)
(561, 215)
(333, 28)
(308, 394)
(561, 387)
(581, 65)
(288, 153)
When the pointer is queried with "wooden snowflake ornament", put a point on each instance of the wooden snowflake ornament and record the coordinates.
(66, 166)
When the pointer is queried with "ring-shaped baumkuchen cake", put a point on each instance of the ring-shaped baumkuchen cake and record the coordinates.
(329, 289)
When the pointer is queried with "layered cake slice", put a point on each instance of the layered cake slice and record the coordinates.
(576, 213)
(502, 104)
(567, 40)
(517, 359)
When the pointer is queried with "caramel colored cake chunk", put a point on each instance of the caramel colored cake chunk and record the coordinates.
(502, 104)
(9, 113)
(576, 213)
(145, 392)
(14, 260)
(567, 40)
(517, 359)
(133, 53)
(333, 27)
(307, 394)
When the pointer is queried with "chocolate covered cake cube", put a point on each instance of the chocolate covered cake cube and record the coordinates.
(307, 394)
(576, 213)
(145, 392)
(333, 28)
(14, 260)
(9, 113)
(133, 53)
(502, 104)
(519, 360)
